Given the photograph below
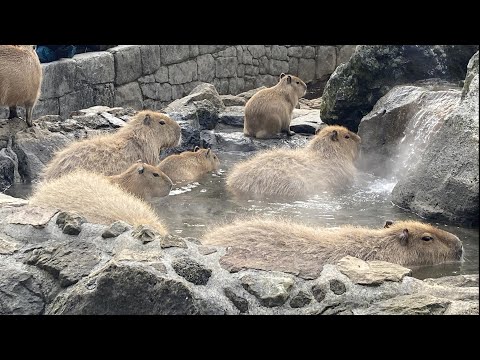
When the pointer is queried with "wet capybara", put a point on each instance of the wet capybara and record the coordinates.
(403, 243)
(143, 180)
(94, 197)
(141, 138)
(20, 79)
(190, 165)
(325, 164)
(269, 112)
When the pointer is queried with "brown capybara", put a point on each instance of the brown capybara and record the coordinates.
(269, 112)
(20, 79)
(190, 165)
(94, 197)
(143, 180)
(141, 138)
(254, 243)
(325, 164)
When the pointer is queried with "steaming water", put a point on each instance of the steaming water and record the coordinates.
(191, 209)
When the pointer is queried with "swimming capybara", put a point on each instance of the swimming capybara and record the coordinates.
(269, 112)
(94, 197)
(20, 79)
(190, 165)
(325, 164)
(403, 242)
(141, 138)
(143, 180)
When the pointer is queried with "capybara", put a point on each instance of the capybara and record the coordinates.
(141, 138)
(94, 197)
(403, 242)
(325, 164)
(20, 79)
(143, 180)
(190, 165)
(269, 112)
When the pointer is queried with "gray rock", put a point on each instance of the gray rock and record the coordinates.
(208, 49)
(8, 247)
(75, 100)
(279, 52)
(161, 75)
(228, 52)
(295, 51)
(129, 95)
(337, 287)
(67, 262)
(300, 300)
(144, 233)
(194, 51)
(58, 78)
(326, 62)
(306, 69)
(115, 291)
(221, 85)
(308, 52)
(416, 304)
(36, 216)
(226, 67)
(156, 91)
(94, 68)
(371, 272)
(192, 270)
(206, 68)
(276, 67)
(232, 115)
(256, 51)
(271, 289)
(7, 170)
(204, 250)
(128, 63)
(235, 85)
(115, 229)
(307, 124)
(172, 54)
(345, 53)
(455, 281)
(373, 70)
(240, 303)
(293, 66)
(150, 55)
(472, 70)
(103, 94)
(319, 292)
(45, 107)
(172, 241)
(183, 72)
(462, 308)
(233, 100)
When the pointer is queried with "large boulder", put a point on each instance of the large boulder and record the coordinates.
(444, 184)
(354, 87)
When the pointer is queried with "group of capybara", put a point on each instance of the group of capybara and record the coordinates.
(111, 177)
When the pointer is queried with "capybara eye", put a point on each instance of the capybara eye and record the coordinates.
(347, 136)
(427, 238)
(156, 174)
(298, 82)
(162, 122)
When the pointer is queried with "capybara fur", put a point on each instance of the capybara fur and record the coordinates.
(325, 164)
(269, 112)
(403, 242)
(20, 79)
(141, 138)
(143, 180)
(190, 165)
(95, 198)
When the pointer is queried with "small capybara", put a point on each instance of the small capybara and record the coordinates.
(190, 165)
(325, 164)
(269, 112)
(141, 138)
(403, 242)
(143, 180)
(94, 197)
(20, 79)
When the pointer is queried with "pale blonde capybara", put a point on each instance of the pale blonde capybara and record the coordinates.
(94, 197)
(269, 112)
(142, 138)
(325, 164)
(20, 79)
(403, 243)
(190, 165)
(143, 180)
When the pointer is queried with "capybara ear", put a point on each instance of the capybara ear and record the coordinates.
(139, 161)
(334, 135)
(196, 148)
(147, 120)
(282, 75)
(289, 79)
(208, 152)
(140, 170)
(388, 223)
(404, 237)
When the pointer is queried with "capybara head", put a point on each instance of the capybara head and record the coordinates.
(335, 140)
(416, 243)
(212, 162)
(293, 82)
(165, 131)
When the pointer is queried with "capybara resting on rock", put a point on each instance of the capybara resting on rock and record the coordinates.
(20, 79)
(269, 112)
(95, 198)
(325, 164)
(143, 180)
(141, 138)
(283, 245)
(190, 165)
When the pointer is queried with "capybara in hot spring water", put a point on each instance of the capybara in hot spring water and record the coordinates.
(325, 164)
(142, 138)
